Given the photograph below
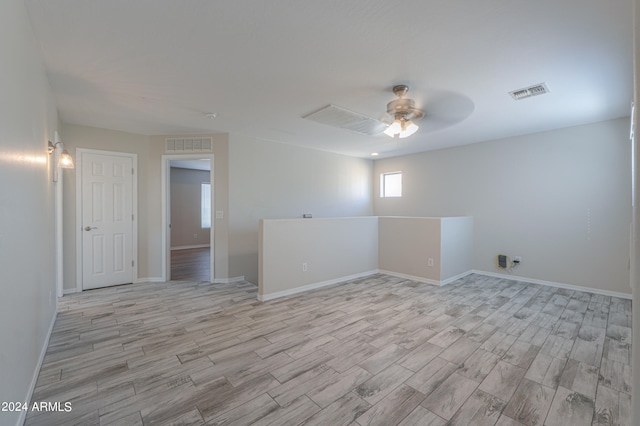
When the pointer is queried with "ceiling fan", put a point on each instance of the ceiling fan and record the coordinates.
(444, 108)
(403, 111)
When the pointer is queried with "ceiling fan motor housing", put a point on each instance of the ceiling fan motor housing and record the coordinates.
(403, 107)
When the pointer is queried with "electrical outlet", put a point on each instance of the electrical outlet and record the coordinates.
(430, 262)
(195, 236)
(305, 267)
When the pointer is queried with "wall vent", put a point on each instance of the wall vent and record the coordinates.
(527, 92)
(183, 145)
(336, 116)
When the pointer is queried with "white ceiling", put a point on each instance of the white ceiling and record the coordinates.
(158, 66)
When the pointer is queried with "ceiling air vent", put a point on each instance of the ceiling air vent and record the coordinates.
(343, 118)
(527, 92)
(183, 145)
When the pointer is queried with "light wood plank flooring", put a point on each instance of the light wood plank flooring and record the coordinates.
(374, 351)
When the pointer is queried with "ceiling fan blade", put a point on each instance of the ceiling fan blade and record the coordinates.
(445, 108)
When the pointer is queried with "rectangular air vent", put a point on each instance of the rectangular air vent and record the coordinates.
(183, 145)
(336, 116)
(527, 92)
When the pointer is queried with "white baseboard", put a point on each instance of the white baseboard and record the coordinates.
(160, 280)
(190, 247)
(216, 280)
(36, 373)
(555, 284)
(314, 286)
(228, 280)
(308, 287)
(409, 277)
(426, 280)
(455, 277)
(149, 280)
(66, 291)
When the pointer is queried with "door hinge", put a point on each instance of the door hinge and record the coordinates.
(132, 263)
(132, 217)
(132, 171)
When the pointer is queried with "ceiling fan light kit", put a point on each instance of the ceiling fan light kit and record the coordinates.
(403, 111)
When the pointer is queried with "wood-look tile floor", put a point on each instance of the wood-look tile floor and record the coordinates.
(375, 351)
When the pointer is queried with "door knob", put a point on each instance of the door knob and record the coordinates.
(89, 228)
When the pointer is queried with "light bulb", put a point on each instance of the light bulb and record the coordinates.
(409, 128)
(394, 128)
(65, 161)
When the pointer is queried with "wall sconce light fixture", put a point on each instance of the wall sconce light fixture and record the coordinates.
(65, 161)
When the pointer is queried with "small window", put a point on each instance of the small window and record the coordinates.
(205, 205)
(391, 184)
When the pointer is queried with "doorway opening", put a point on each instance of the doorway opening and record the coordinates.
(188, 233)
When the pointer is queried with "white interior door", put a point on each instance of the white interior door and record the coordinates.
(107, 220)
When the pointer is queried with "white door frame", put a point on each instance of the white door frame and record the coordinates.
(134, 189)
(166, 208)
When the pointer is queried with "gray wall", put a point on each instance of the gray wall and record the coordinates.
(221, 201)
(186, 195)
(331, 249)
(75, 136)
(270, 180)
(560, 199)
(149, 150)
(28, 119)
(253, 180)
(635, 247)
